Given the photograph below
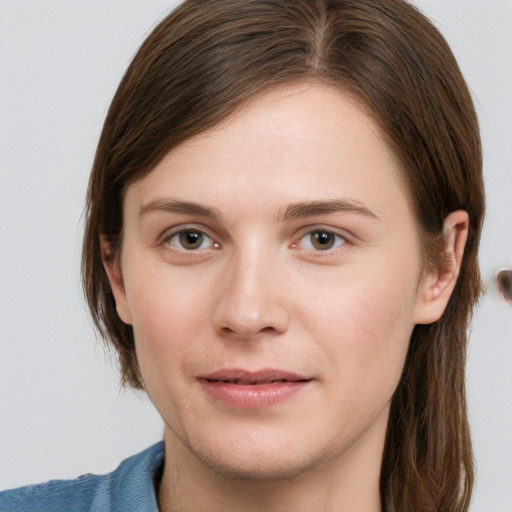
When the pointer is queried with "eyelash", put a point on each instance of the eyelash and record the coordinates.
(338, 241)
(174, 240)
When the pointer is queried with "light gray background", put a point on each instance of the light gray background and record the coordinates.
(61, 411)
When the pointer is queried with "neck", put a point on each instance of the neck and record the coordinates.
(348, 483)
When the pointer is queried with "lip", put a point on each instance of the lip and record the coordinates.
(252, 390)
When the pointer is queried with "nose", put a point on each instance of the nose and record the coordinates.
(252, 298)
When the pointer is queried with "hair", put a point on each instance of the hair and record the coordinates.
(205, 61)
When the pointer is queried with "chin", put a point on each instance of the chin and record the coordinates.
(262, 463)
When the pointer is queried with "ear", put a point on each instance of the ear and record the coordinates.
(437, 286)
(112, 263)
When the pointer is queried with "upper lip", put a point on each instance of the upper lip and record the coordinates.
(266, 376)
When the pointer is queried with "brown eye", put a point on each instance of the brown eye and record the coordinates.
(190, 240)
(321, 240)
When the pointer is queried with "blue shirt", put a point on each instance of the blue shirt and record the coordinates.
(129, 488)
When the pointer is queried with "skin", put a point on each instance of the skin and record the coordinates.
(258, 293)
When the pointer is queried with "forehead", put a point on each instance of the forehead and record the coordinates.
(293, 143)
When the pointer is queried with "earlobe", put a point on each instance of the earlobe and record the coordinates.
(438, 285)
(112, 265)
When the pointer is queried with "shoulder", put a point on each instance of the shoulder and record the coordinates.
(129, 487)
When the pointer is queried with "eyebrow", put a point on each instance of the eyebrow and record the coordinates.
(176, 206)
(290, 212)
(311, 208)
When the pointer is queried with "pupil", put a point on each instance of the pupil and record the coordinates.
(191, 239)
(323, 240)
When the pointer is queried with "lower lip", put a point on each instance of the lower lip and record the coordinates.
(252, 396)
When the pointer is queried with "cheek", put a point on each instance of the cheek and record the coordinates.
(167, 335)
(364, 325)
(166, 319)
(371, 329)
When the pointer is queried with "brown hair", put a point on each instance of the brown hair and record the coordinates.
(209, 57)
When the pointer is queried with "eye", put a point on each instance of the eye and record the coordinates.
(321, 240)
(190, 240)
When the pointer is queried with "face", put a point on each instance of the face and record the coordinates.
(270, 271)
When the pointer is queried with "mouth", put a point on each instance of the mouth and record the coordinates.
(252, 390)
(247, 378)
(242, 382)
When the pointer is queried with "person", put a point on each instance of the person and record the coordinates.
(281, 242)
